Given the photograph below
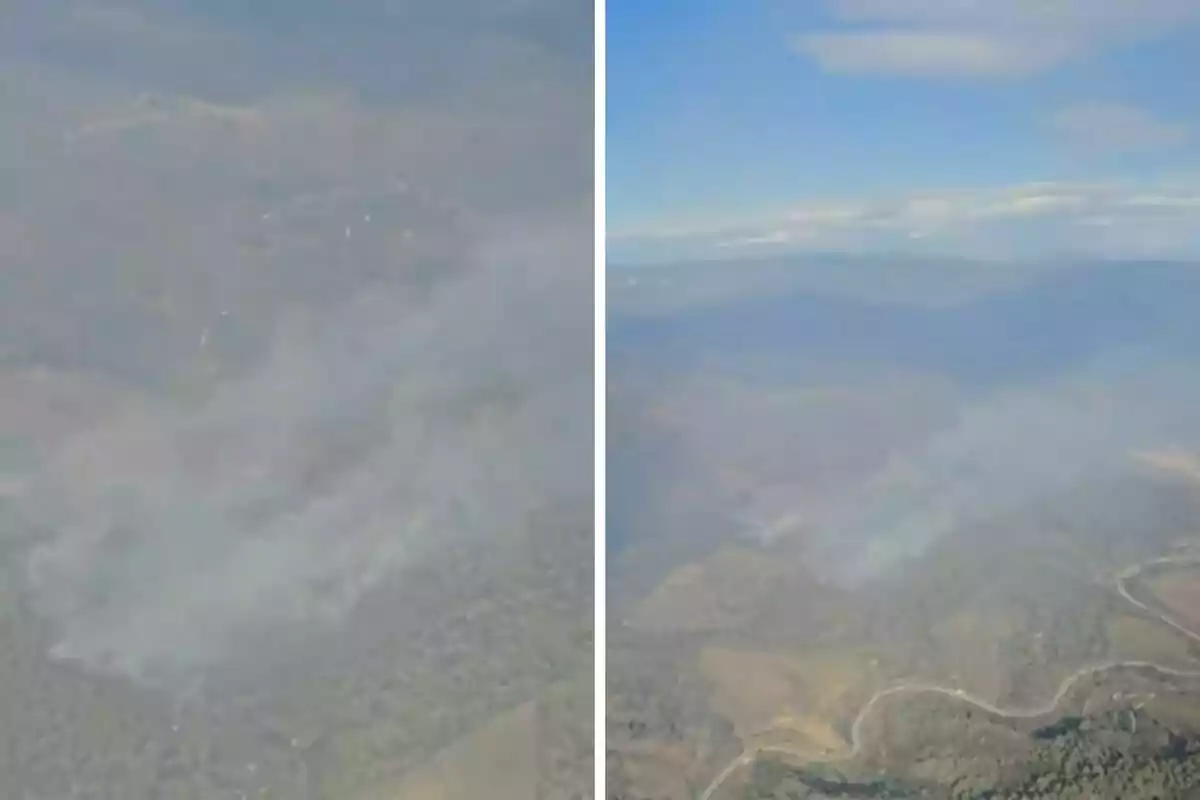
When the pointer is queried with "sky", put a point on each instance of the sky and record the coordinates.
(1024, 129)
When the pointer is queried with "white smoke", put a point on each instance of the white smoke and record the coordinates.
(374, 435)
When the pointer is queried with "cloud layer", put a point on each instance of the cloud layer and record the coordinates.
(948, 38)
(930, 53)
(1019, 221)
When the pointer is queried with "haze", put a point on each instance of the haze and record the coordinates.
(296, 353)
(832, 503)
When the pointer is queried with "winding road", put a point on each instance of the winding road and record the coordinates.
(856, 738)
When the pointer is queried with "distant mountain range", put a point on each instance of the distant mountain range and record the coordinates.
(1060, 317)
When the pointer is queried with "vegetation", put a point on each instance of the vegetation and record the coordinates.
(917, 488)
(1102, 756)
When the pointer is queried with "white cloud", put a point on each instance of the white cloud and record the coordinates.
(918, 53)
(1115, 128)
(1031, 219)
(976, 39)
(1036, 205)
(774, 237)
(827, 214)
(1179, 201)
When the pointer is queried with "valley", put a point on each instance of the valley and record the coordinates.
(866, 556)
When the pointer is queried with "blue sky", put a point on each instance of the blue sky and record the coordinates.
(955, 126)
